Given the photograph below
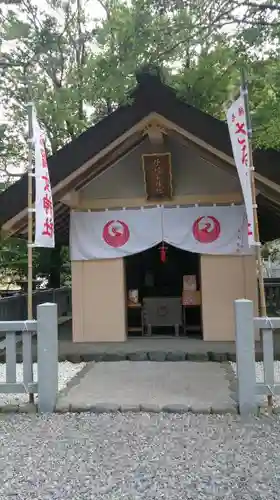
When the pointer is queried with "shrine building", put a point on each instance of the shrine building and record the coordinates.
(150, 203)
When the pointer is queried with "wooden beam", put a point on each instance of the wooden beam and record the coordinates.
(102, 165)
(59, 210)
(228, 160)
(167, 127)
(84, 178)
(188, 199)
(264, 188)
(59, 187)
(155, 134)
(121, 153)
(204, 154)
(70, 199)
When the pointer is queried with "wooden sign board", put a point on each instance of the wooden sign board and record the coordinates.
(191, 298)
(189, 282)
(157, 175)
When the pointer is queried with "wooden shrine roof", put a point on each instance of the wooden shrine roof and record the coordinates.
(70, 167)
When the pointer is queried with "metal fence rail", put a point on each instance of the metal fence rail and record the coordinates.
(14, 308)
(47, 356)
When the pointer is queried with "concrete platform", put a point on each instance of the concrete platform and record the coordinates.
(157, 348)
(153, 349)
(150, 386)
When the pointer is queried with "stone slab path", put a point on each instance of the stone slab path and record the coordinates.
(150, 386)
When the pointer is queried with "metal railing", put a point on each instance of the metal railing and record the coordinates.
(14, 308)
(45, 328)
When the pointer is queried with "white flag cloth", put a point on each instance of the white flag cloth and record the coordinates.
(236, 119)
(114, 234)
(211, 230)
(44, 217)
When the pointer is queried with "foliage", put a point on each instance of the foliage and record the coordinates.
(14, 264)
(271, 251)
(78, 68)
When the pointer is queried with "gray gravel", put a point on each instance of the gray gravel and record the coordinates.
(138, 456)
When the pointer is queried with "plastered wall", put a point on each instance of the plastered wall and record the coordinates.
(223, 280)
(98, 301)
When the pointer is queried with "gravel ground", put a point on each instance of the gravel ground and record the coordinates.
(139, 456)
(66, 371)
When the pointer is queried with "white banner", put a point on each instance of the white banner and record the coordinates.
(210, 230)
(113, 234)
(44, 218)
(236, 119)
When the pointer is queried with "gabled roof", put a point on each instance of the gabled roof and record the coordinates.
(150, 96)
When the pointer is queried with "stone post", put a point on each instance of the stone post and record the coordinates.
(245, 356)
(47, 357)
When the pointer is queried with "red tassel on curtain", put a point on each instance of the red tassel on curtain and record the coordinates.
(162, 253)
(162, 248)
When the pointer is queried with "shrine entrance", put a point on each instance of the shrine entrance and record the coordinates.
(163, 292)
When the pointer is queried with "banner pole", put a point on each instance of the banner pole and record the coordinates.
(30, 222)
(30, 213)
(262, 299)
(244, 89)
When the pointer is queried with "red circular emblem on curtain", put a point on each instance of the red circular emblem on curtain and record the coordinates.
(116, 233)
(206, 229)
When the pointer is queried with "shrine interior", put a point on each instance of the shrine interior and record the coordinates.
(151, 277)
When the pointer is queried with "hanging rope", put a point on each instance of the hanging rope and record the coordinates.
(162, 247)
